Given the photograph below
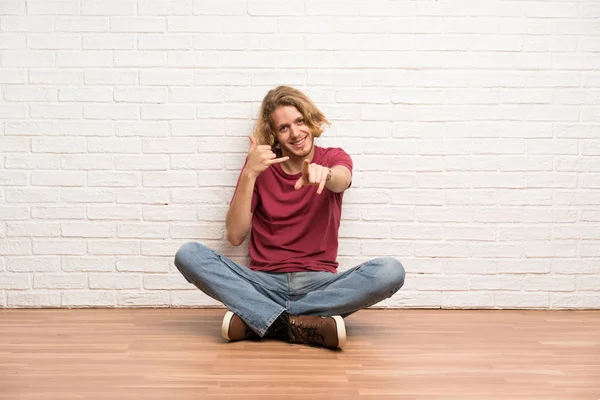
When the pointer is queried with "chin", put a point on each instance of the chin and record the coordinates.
(301, 153)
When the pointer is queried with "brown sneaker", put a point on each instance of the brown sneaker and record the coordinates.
(327, 332)
(234, 328)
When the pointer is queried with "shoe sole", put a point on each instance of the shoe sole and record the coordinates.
(341, 330)
(225, 325)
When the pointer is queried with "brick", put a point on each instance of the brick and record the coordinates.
(14, 281)
(81, 24)
(28, 195)
(87, 162)
(144, 163)
(195, 196)
(550, 250)
(53, 7)
(467, 163)
(198, 163)
(574, 301)
(575, 198)
(275, 8)
(112, 179)
(416, 232)
(169, 146)
(111, 111)
(137, 196)
(441, 282)
(162, 248)
(98, 95)
(589, 250)
(191, 298)
(521, 300)
(140, 95)
(120, 145)
(471, 299)
(142, 128)
(113, 212)
(142, 264)
(169, 179)
(420, 197)
(35, 161)
(32, 264)
(34, 299)
(56, 41)
(113, 247)
(524, 233)
(32, 229)
(168, 112)
(526, 197)
(84, 59)
(470, 233)
(194, 231)
(31, 128)
(141, 299)
(558, 283)
(88, 229)
(468, 267)
(30, 94)
(10, 7)
(111, 77)
(441, 250)
(58, 178)
(382, 248)
(198, 128)
(117, 281)
(169, 213)
(56, 111)
(87, 195)
(55, 77)
(250, 25)
(58, 212)
(552, 146)
(59, 281)
(143, 231)
(108, 41)
(195, 24)
(59, 247)
(171, 76)
(137, 24)
(27, 24)
(86, 298)
(166, 282)
(108, 7)
(88, 264)
(14, 76)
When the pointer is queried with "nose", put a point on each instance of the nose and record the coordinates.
(294, 131)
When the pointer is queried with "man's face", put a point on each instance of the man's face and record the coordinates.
(293, 135)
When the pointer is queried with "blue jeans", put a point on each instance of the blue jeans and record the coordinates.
(259, 298)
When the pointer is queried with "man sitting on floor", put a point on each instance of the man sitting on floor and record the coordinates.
(289, 198)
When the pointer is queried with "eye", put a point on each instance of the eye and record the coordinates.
(283, 128)
(300, 121)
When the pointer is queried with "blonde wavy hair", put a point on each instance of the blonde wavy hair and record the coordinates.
(287, 96)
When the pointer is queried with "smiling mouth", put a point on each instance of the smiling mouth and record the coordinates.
(299, 143)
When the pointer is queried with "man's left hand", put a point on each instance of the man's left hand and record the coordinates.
(313, 174)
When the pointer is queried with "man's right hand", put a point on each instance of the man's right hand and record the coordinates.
(260, 157)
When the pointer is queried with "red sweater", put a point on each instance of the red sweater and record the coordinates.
(296, 230)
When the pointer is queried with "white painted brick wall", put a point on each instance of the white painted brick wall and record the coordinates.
(474, 129)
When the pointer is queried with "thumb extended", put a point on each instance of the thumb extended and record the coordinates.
(299, 183)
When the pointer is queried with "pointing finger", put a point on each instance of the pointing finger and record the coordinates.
(322, 184)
